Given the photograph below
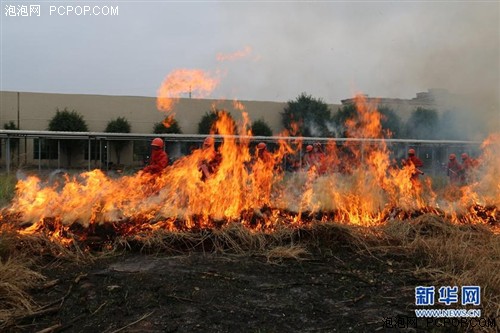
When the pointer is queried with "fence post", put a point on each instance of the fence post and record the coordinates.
(89, 153)
(39, 154)
(58, 153)
(7, 155)
(107, 155)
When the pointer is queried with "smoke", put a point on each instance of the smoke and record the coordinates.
(455, 47)
(391, 50)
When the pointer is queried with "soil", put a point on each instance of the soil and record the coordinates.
(340, 291)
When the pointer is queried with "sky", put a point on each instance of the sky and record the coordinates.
(270, 51)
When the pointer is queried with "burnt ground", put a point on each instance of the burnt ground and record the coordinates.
(341, 291)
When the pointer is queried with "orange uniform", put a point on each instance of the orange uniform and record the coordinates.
(468, 166)
(454, 170)
(212, 159)
(158, 160)
(416, 162)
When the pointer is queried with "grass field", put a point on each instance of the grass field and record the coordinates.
(430, 248)
(439, 252)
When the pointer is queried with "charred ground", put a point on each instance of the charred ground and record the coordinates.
(331, 292)
(329, 278)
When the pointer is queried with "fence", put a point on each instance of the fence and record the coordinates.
(434, 153)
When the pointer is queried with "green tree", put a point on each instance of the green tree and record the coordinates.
(118, 125)
(422, 124)
(261, 128)
(340, 117)
(391, 121)
(68, 121)
(207, 122)
(173, 128)
(306, 116)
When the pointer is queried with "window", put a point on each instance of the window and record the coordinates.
(45, 149)
(96, 147)
(141, 150)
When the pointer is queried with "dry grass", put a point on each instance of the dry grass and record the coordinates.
(16, 278)
(452, 255)
(19, 262)
(235, 238)
(280, 253)
(445, 253)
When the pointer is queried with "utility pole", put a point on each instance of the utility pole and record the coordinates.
(19, 127)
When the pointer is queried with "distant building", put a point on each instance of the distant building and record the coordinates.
(32, 111)
(437, 99)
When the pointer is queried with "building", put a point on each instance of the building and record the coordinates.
(33, 111)
(437, 99)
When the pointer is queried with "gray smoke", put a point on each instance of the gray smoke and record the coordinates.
(393, 50)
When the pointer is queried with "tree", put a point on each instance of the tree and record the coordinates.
(68, 121)
(306, 116)
(173, 128)
(118, 125)
(391, 121)
(388, 119)
(209, 119)
(423, 124)
(261, 128)
(340, 117)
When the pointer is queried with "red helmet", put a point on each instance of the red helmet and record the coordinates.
(261, 145)
(157, 142)
(465, 156)
(309, 148)
(209, 141)
(411, 151)
(453, 156)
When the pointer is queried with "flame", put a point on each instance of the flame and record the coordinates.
(247, 50)
(356, 182)
(197, 83)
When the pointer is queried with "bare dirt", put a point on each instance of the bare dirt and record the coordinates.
(340, 290)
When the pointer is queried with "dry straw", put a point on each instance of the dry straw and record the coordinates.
(16, 279)
(451, 254)
(446, 253)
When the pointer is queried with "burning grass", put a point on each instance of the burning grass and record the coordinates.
(248, 206)
(442, 252)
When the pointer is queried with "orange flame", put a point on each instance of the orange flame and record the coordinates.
(197, 83)
(356, 182)
(234, 56)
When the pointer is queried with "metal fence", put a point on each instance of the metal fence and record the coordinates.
(434, 153)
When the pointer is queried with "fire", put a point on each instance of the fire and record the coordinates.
(196, 82)
(357, 182)
(247, 50)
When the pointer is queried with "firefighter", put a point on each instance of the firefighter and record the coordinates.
(416, 162)
(309, 159)
(468, 166)
(159, 160)
(262, 153)
(211, 159)
(454, 170)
